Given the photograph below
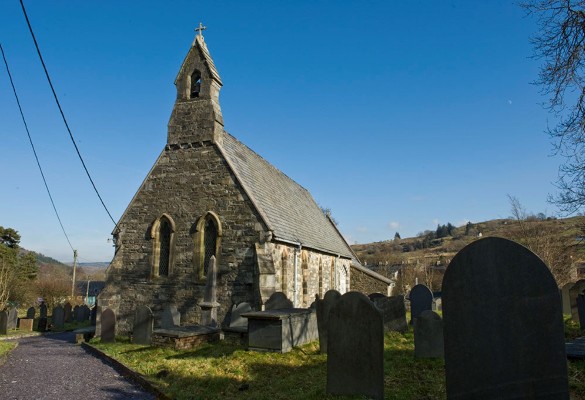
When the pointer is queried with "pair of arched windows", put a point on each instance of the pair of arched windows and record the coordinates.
(206, 239)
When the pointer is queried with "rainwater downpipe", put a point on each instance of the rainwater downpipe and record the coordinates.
(296, 270)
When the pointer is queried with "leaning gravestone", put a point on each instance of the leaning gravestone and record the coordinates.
(323, 308)
(355, 348)
(421, 299)
(575, 291)
(394, 312)
(12, 318)
(278, 301)
(67, 310)
(428, 335)
(30, 313)
(143, 323)
(566, 298)
(512, 345)
(3, 323)
(108, 326)
(171, 317)
(236, 319)
(58, 317)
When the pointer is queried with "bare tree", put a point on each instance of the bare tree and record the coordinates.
(560, 43)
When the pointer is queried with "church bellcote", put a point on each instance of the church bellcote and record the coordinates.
(196, 116)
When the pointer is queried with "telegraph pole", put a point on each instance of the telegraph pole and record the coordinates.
(74, 268)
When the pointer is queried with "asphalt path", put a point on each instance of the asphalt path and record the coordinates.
(54, 367)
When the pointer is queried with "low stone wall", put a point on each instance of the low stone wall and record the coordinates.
(367, 281)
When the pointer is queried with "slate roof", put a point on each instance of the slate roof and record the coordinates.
(287, 208)
(200, 43)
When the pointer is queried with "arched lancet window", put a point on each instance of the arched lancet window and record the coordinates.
(195, 84)
(162, 234)
(207, 240)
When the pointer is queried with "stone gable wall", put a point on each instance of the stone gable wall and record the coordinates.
(367, 284)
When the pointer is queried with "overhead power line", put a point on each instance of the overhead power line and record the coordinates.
(33, 146)
(61, 111)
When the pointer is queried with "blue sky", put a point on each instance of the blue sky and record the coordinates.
(395, 115)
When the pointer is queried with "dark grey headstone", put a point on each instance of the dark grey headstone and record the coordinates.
(74, 312)
(581, 310)
(278, 301)
(355, 347)
(30, 313)
(58, 317)
(428, 335)
(93, 316)
(82, 313)
(323, 308)
(374, 296)
(236, 320)
(3, 322)
(566, 298)
(394, 312)
(12, 318)
(421, 299)
(574, 291)
(86, 312)
(108, 326)
(43, 310)
(67, 309)
(171, 317)
(503, 325)
(42, 325)
(143, 323)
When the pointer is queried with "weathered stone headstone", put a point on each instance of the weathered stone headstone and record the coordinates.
(43, 310)
(323, 308)
(236, 320)
(210, 304)
(12, 318)
(93, 316)
(3, 322)
(421, 299)
(82, 313)
(278, 301)
(355, 347)
(394, 312)
(566, 298)
(428, 335)
(42, 325)
(512, 345)
(171, 317)
(143, 323)
(67, 310)
(581, 310)
(30, 313)
(108, 326)
(58, 317)
(575, 291)
(86, 312)
(74, 313)
(374, 296)
(26, 324)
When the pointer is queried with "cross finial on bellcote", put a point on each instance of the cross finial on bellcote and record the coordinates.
(200, 29)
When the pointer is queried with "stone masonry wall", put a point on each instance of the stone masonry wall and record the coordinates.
(366, 283)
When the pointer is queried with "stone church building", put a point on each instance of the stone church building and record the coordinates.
(207, 195)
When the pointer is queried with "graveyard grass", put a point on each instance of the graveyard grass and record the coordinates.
(5, 348)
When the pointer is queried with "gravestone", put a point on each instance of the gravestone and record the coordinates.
(143, 323)
(503, 325)
(210, 304)
(171, 317)
(394, 312)
(93, 316)
(26, 324)
(236, 319)
(374, 296)
(82, 313)
(58, 317)
(74, 313)
(355, 347)
(43, 310)
(278, 301)
(575, 291)
(108, 326)
(67, 310)
(30, 313)
(428, 335)
(86, 312)
(581, 310)
(566, 298)
(421, 299)
(3, 322)
(42, 325)
(323, 308)
(12, 318)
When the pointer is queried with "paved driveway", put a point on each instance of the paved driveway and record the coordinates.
(54, 367)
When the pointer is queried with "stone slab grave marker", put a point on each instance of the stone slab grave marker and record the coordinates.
(42, 325)
(26, 324)
(93, 316)
(428, 335)
(82, 313)
(12, 318)
(143, 324)
(236, 319)
(30, 313)
(210, 304)
(171, 317)
(86, 312)
(355, 347)
(503, 325)
(323, 308)
(74, 313)
(108, 326)
(374, 296)
(566, 298)
(394, 312)
(574, 291)
(67, 309)
(43, 310)
(421, 299)
(3, 322)
(58, 317)
(278, 301)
